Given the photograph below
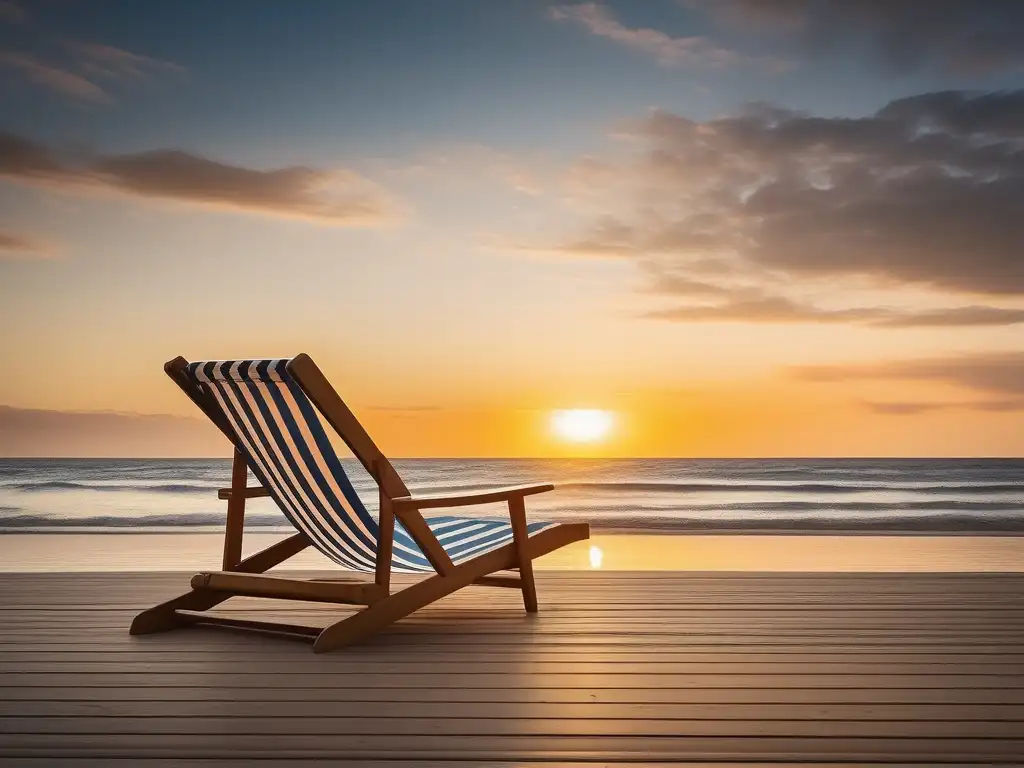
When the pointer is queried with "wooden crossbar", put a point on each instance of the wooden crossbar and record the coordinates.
(513, 582)
(198, 617)
(252, 585)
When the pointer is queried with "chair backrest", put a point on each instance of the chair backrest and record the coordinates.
(274, 424)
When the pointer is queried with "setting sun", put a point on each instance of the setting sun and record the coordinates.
(581, 425)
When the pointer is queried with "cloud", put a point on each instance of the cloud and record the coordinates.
(915, 408)
(926, 192)
(55, 78)
(17, 246)
(993, 373)
(13, 13)
(117, 63)
(961, 38)
(404, 408)
(669, 51)
(22, 158)
(81, 68)
(778, 309)
(904, 409)
(339, 197)
(37, 432)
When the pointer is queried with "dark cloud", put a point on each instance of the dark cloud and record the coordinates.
(327, 196)
(999, 374)
(36, 432)
(26, 159)
(929, 191)
(964, 37)
(15, 245)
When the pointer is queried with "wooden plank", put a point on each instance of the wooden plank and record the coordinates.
(373, 660)
(34, 762)
(264, 679)
(426, 746)
(31, 762)
(285, 653)
(495, 727)
(626, 711)
(576, 670)
(222, 693)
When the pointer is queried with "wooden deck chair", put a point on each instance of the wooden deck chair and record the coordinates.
(267, 408)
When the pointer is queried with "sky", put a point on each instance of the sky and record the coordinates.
(742, 227)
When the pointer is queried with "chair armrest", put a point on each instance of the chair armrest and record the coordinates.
(431, 501)
(255, 492)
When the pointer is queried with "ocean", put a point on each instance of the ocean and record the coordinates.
(614, 495)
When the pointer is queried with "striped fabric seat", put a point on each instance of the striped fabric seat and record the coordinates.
(289, 452)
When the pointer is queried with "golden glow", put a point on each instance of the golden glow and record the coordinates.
(596, 556)
(581, 425)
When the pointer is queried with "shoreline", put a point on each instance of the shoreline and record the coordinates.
(768, 532)
(807, 552)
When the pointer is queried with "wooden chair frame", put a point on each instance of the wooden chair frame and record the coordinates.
(247, 577)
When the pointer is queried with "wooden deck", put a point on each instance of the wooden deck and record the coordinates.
(618, 667)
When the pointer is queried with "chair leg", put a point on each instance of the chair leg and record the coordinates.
(521, 535)
(161, 618)
(371, 620)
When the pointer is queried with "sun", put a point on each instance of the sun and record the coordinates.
(581, 425)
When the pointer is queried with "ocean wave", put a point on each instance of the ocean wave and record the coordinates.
(922, 524)
(621, 487)
(698, 487)
(946, 523)
(62, 485)
(195, 520)
(791, 507)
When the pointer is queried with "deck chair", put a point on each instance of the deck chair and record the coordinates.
(268, 410)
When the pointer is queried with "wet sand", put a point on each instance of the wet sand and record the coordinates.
(85, 552)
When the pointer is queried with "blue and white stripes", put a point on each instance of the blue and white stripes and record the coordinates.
(291, 455)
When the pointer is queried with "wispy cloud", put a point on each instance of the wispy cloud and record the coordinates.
(338, 196)
(913, 408)
(54, 78)
(14, 245)
(693, 51)
(404, 408)
(87, 71)
(994, 373)
(108, 61)
(758, 308)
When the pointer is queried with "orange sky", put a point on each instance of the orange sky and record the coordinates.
(740, 245)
